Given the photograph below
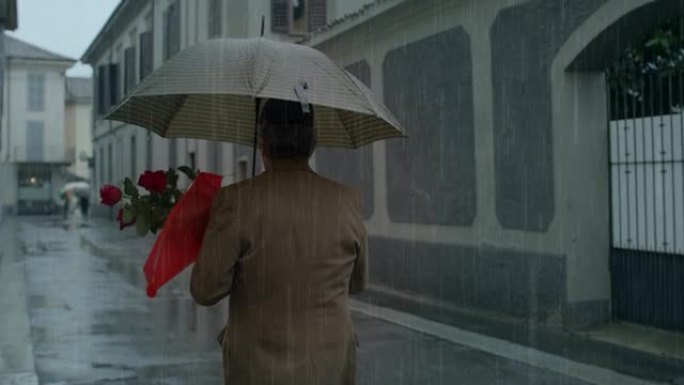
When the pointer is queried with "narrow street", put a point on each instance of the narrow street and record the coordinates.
(91, 323)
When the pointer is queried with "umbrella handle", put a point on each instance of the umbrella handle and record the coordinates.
(256, 113)
(254, 144)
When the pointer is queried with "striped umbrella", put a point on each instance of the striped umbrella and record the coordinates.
(210, 90)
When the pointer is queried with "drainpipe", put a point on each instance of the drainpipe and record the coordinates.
(9, 110)
(2, 99)
(149, 133)
(2, 88)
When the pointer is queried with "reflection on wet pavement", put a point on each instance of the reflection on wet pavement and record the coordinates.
(91, 322)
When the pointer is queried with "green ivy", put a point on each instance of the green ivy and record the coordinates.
(660, 54)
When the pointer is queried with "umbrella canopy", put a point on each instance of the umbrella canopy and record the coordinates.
(208, 91)
(77, 187)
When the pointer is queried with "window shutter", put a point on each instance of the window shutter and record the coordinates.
(35, 139)
(318, 14)
(129, 69)
(215, 18)
(114, 85)
(165, 35)
(102, 90)
(172, 30)
(146, 54)
(280, 21)
(36, 92)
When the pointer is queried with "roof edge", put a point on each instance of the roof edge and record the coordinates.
(123, 4)
(54, 57)
(66, 64)
(349, 21)
(24, 58)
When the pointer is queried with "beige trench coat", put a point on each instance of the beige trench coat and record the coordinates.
(289, 247)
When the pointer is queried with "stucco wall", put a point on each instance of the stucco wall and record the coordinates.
(539, 149)
(52, 116)
(499, 200)
(78, 129)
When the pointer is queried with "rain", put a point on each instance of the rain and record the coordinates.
(341, 192)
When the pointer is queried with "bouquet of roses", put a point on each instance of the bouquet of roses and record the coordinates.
(181, 216)
(149, 211)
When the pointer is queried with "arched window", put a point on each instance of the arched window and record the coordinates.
(298, 16)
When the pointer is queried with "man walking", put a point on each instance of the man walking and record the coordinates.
(288, 246)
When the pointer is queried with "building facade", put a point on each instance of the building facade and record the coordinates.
(33, 151)
(78, 121)
(499, 202)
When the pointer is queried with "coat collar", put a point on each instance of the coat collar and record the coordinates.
(286, 164)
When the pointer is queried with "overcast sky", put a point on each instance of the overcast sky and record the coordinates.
(65, 27)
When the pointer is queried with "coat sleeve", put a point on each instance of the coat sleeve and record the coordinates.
(359, 277)
(212, 274)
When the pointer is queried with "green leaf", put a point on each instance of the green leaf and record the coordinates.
(128, 214)
(142, 223)
(130, 189)
(190, 173)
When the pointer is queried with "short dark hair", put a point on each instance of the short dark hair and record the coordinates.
(287, 131)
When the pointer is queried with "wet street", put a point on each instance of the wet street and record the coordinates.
(75, 312)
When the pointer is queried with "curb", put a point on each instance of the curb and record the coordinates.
(501, 348)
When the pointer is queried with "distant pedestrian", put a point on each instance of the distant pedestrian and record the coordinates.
(288, 246)
(67, 199)
(84, 204)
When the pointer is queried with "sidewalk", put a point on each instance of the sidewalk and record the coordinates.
(396, 345)
(16, 350)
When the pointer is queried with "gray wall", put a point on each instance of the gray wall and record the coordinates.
(525, 40)
(511, 282)
(428, 86)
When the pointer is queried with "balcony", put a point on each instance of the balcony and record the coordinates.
(43, 154)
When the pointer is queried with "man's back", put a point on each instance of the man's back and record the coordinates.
(285, 245)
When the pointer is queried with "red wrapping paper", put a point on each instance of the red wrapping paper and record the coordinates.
(180, 240)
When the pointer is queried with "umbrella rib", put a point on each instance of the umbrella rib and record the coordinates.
(179, 107)
(344, 125)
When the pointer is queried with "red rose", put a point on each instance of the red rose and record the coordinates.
(154, 182)
(110, 195)
(120, 219)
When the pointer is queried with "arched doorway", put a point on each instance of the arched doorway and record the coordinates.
(645, 141)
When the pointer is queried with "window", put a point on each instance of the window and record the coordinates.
(114, 85)
(148, 150)
(110, 164)
(214, 18)
(102, 103)
(129, 70)
(214, 156)
(35, 141)
(192, 160)
(101, 166)
(36, 92)
(134, 157)
(242, 169)
(146, 54)
(108, 93)
(298, 16)
(173, 153)
(172, 30)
